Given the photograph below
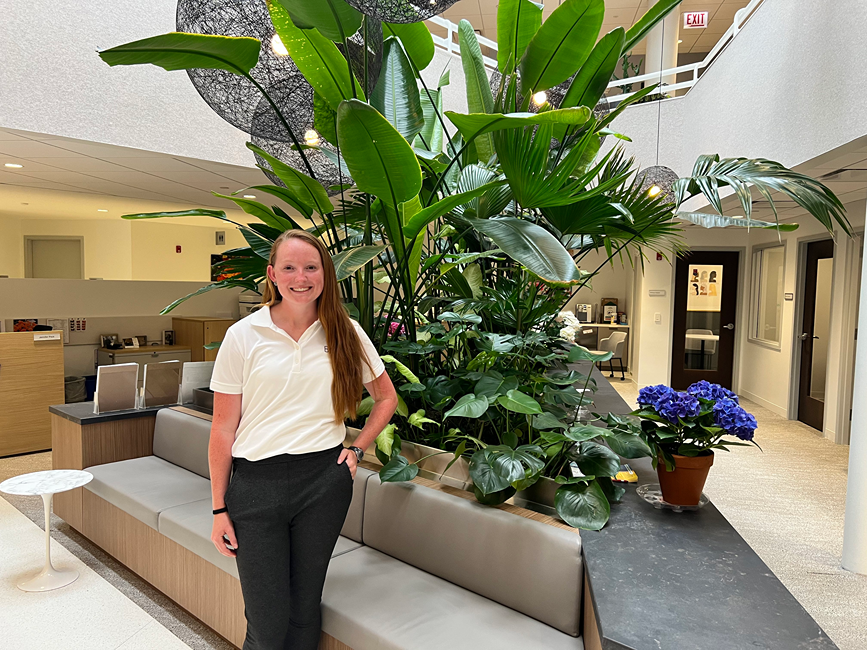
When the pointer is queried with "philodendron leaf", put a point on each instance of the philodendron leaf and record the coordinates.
(408, 374)
(580, 353)
(180, 51)
(349, 261)
(468, 406)
(485, 479)
(547, 421)
(519, 402)
(584, 432)
(398, 469)
(418, 419)
(493, 384)
(582, 505)
(626, 444)
(385, 440)
(597, 459)
(364, 406)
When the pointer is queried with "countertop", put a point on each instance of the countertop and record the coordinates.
(148, 348)
(662, 580)
(82, 413)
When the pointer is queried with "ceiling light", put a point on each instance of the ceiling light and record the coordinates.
(101, 210)
(249, 196)
(13, 165)
(654, 190)
(311, 138)
(540, 98)
(680, 40)
(277, 46)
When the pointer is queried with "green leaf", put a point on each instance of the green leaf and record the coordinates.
(260, 245)
(179, 51)
(479, 98)
(324, 118)
(625, 444)
(582, 505)
(468, 406)
(288, 197)
(254, 208)
(398, 469)
(396, 92)
(416, 39)
(532, 246)
(580, 353)
(473, 125)
(333, 18)
(308, 192)
(517, 23)
(198, 212)
(584, 432)
(493, 384)
(385, 439)
(381, 161)
(408, 374)
(364, 407)
(561, 45)
(613, 492)
(548, 421)
(515, 400)
(485, 479)
(318, 59)
(716, 221)
(418, 419)
(597, 459)
(647, 22)
(402, 409)
(431, 134)
(515, 464)
(349, 261)
(494, 498)
(429, 214)
(223, 284)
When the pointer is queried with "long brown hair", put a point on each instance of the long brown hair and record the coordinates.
(344, 346)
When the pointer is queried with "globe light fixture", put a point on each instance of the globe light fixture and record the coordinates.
(654, 190)
(657, 180)
(540, 98)
(311, 138)
(277, 46)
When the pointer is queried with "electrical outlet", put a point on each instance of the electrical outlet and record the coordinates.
(657, 318)
(221, 238)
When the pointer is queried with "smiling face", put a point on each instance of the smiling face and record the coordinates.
(297, 272)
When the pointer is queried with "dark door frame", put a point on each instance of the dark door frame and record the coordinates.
(741, 314)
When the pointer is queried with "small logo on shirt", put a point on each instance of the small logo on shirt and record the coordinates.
(326, 348)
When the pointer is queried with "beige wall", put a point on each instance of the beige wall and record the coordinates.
(116, 249)
(612, 281)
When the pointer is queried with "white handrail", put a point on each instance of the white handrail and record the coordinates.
(449, 44)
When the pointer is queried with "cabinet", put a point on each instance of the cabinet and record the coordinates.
(31, 380)
(141, 356)
(197, 332)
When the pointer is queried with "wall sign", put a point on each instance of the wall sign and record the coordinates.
(705, 287)
(695, 20)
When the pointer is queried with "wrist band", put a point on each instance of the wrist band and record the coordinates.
(220, 510)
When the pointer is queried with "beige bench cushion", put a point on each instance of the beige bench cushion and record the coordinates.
(374, 602)
(190, 526)
(527, 565)
(144, 487)
(182, 440)
(352, 525)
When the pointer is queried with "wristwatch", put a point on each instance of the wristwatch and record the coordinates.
(359, 453)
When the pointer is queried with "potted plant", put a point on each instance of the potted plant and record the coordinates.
(683, 428)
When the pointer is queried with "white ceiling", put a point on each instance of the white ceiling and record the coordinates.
(618, 13)
(68, 178)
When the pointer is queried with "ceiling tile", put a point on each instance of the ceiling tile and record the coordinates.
(72, 163)
(98, 150)
(161, 164)
(30, 148)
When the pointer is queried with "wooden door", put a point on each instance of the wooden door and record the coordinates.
(815, 331)
(31, 380)
(215, 332)
(705, 313)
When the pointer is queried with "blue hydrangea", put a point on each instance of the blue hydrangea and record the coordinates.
(706, 390)
(678, 405)
(653, 395)
(729, 415)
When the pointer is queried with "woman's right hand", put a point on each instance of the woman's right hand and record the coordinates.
(223, 526)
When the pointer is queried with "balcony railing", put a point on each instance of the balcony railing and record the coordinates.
(449, 43)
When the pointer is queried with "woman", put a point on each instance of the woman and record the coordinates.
(284, 380)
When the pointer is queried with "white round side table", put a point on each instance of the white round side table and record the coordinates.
(47, 484)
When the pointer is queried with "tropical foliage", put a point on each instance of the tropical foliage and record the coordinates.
(458, 236)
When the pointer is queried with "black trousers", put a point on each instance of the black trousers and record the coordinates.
(287, 512)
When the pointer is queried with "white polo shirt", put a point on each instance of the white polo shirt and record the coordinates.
(286, 405)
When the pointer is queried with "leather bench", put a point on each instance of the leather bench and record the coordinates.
(413, 568)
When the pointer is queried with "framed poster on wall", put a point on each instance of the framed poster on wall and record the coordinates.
(704, 292)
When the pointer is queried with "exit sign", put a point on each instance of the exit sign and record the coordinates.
(695, 20)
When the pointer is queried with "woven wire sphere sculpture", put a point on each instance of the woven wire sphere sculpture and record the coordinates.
(401, 11)
(657, 180)
(235, 98)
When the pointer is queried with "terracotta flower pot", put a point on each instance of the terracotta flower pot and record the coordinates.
(683, 486)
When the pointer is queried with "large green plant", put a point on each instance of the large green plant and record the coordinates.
(456, 236)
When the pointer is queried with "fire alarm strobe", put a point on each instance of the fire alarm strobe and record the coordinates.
(177, 249)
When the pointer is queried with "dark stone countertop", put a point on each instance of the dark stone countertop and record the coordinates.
(662, 580)
(82, 413)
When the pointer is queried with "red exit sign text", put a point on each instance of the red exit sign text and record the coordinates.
(695, 20)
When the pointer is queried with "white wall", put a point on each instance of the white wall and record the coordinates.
(614, 280)
(54, 82)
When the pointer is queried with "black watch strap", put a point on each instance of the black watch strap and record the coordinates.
(221, 510)
(359, 452)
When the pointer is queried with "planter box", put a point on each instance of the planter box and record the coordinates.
(538, 497)
(434, 468)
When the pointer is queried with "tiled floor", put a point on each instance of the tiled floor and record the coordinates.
(787, 501)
